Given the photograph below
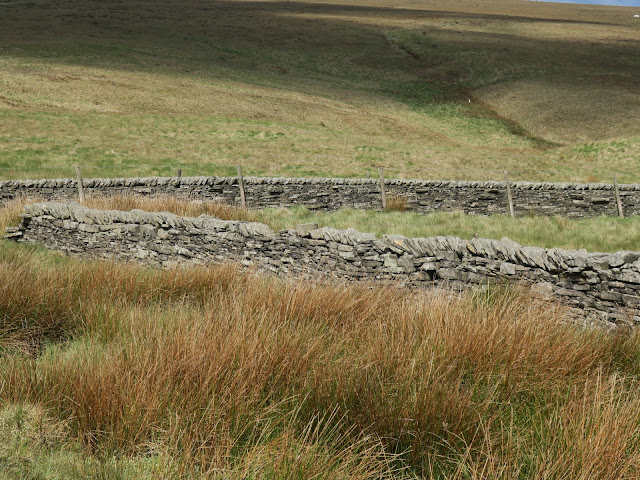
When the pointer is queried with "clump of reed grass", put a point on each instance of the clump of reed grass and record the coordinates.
(182, 207)
(396, 202)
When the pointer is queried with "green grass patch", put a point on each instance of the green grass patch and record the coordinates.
(599, 234)
(302, 89)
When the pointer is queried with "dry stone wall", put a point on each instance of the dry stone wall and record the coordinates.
(600, 285)
(484, 198)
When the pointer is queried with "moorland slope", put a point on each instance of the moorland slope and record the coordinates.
(458, 90)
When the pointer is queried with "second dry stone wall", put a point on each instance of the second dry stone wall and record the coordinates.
(600, 285)
(572, 200)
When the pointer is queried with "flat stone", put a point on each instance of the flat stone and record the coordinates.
(406, 262)
(542, 288)
(611, 296)
(623, 257)
(347, 255)
(88, 228)
(390, 260)
(430, 266)
(565, 292)
(630, 276)
(507, 268)
(305, 229)
(447, 274)
(536, 256)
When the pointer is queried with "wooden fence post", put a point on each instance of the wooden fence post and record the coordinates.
(618, 200)
(80, 185)
(179, 173)
(509, 195)
(243, 201)
(383, 194)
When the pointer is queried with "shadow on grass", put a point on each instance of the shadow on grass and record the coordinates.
(298, 43)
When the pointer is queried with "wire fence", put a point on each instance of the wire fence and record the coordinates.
(83, 172)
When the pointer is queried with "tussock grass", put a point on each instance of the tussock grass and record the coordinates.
(340, 381)
(184, 208)
(396, 202)
(217, 373)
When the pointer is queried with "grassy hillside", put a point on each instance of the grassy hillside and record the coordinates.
(435, 89)
(117, 372)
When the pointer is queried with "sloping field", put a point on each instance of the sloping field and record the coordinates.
(427, 89)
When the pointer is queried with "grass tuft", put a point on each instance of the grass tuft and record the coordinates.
(396, 202)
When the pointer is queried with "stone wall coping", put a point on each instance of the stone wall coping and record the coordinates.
(202, 180)
(91, 216)
(505, 250)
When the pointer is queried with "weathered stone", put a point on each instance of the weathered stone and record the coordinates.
(611, 296)
(406, 262)
(12, 233)
(430, 266)
(599, 262)
(254, 229)
(621, 258)
(444, 255)
(568, 293)
(507, 268)
(589, 281)
(349, 236)
(183, 251)
(448, 273)
(543, 288)
(88, 228)
(305, 229)
(371, 263)
(390, 260)
(347, 255)
(317, 234)
(148, 231)
(69, 224)
(535, 256)
(630, 276)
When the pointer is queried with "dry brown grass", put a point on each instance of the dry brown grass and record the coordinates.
(231, 374)
(184, 208)
(396, 202)
(10, 212)
(218, 373)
